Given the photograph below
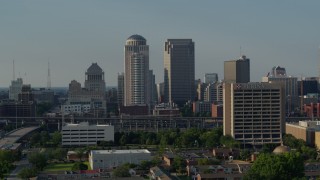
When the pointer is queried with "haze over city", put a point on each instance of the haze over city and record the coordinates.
(73, 34)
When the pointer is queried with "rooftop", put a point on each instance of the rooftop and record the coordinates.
(130, 151)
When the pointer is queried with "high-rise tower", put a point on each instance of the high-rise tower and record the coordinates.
(237, 71)
(136, 67)
(179, 70)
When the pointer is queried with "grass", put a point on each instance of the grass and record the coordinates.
(62, 167)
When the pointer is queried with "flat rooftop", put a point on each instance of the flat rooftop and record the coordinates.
(129, 151)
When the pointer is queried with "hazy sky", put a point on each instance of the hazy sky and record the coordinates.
(72, 34)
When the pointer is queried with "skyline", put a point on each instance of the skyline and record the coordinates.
(71, 35)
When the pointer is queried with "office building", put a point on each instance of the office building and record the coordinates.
(277, 71)
(253, 113)
(15, 89)
(43, 95)
(210, 78)
(179, 71)
(237, 71)
(304, 130)
(84, 134)
(136, 75)
(291, 90)
(109, 159)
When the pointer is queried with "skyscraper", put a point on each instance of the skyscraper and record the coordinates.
(120, 91)
(237, 71)
(136, 66)
(179, 71)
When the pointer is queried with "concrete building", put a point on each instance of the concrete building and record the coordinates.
(84, 134)
(253, 113)
(165, 109)
(15, 88)
(291, 90)
(304, 130)
(43, 95)
(201, 107)
(108, 159)
(179, 71)
(78, 109)
(237, 71)
(210, 78)
(136, 75)
(160, 92)
(278, 71)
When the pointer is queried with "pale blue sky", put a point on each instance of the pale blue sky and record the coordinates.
(74, 33)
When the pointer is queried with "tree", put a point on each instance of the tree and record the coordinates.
(285, 166)
(43, 107)
(79, 166)
(5, 167)
(38, 160)
(59, 153)
(80, 153)
(123, 140)
(229, 142)
(45, 137)
(178, 164)
(26, 173)
(122, 171)
(35, 139)
(56, 138)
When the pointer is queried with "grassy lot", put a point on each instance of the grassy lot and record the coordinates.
(62, 167)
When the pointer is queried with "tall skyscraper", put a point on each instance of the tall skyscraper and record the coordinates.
(136, 66)
(253, 113)
(237, 71)
(210, 78)
(179, 71)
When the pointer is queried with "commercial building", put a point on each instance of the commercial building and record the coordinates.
(201, 107)
(108, 159)
(43, 95)
(84, 134)
(120, 95)
(253, 113)
(78, 109)
(304, 130)
(291, 90)
(237, 71)
(179, 71)
(136, 75)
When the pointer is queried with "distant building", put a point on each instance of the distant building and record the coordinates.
(43, 95)
(120, 89)
(94, 92)
(304, 130)
(160, 92)
(253, 113)
(210, 78)
(136, 71)
(237, 71)
(166, 109)
(78, 109)
(109, 159)
(134, 110)
(201, 107)
(179, 71)
(291, 90)
(278, 71)
(15, 89)
(84, 134)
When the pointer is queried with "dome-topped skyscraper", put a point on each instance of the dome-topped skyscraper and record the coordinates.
(136, 67)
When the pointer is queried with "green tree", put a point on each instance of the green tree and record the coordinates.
(79, 166)
(277, 167)
(38, 160)
(59, 153)
(123, 140)
(35, 139)
(56, 138)
(229, 142)
(26, 173)
(178, 164)
(80, 153)
(43, 107)
(5, 168)
(121, 171)
(45, 137)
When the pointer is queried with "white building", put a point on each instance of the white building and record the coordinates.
(75, 109)
(105, 159)
(84, 134)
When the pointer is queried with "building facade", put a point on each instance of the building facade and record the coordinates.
(108, 159)
(136, 75)
(120, 89)
(15, 89)
(237, 71)
(210, 78)
(253, 113)
(84, 134)
(179, 71)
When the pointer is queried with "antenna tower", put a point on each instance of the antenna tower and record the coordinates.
(13, 72)
(48, 77)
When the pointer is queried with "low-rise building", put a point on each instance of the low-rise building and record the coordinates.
(84, 134)
(304, 130)
(106, 159)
